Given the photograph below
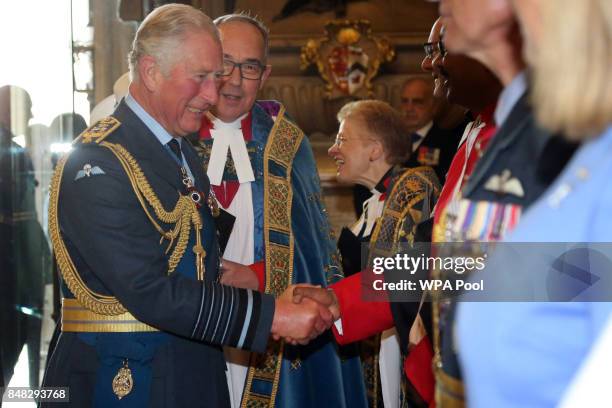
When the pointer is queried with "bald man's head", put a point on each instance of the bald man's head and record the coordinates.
(417, 102)
(427, 64)
(457, 76)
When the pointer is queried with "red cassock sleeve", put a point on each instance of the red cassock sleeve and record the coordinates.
(360, 319)
(417, 368)
(260, 270)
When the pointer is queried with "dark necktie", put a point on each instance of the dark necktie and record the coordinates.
(176, 149)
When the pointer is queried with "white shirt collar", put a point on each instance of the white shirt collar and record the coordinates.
(422, 132)
(425, 129)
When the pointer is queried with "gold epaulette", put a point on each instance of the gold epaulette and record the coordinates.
(98, 131)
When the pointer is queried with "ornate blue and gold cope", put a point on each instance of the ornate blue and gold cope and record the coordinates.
(293, 236)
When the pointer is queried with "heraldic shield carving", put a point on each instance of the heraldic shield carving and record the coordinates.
(347, 58)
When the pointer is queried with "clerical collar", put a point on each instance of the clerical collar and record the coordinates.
(228, 136)
(218, 123)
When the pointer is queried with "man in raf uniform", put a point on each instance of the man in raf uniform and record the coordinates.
(131, 221)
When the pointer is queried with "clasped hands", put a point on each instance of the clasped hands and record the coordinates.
(303, 312)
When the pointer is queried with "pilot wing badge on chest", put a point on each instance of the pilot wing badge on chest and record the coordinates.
(87, 171)
(504, 183)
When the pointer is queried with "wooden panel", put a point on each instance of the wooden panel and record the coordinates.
(404, 21)
(303, 96)
(112, 42)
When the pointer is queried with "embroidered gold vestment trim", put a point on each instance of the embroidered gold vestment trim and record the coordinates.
(285, 139)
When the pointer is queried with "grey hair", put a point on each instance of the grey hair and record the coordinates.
(383, 123)
(246, 17)
(162, 31)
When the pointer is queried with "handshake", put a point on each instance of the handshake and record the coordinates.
(303, 312)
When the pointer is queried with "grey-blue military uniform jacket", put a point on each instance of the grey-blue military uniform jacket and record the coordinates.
(117, 251)
(521, 154)
(526, 152)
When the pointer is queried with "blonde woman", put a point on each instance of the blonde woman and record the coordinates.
(529, 352)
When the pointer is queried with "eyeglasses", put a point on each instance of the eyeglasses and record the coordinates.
(248, 70)
(342, 139)
(432, 48)
(429, 48)
(442, 48)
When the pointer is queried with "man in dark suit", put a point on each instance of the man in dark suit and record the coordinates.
(431, 145)
(132, 226)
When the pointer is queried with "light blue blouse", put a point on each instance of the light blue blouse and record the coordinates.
(525, 354)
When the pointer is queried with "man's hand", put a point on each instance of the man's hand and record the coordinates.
(325, 297)
(417, 332)
(299, 323)
(238, 275)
